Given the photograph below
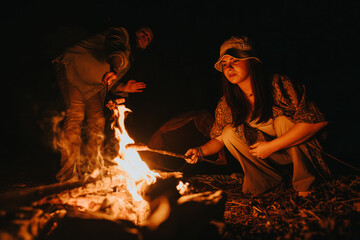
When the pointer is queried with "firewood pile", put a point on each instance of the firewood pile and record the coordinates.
(332, 211)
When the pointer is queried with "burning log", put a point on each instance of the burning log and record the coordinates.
(80, 225)
(193, 216)
(16, 198)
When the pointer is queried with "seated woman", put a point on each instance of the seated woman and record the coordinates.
(264, 122)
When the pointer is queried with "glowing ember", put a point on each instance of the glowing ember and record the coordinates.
(182, 187)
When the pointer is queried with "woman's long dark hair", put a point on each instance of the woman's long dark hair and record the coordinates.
(238, 103)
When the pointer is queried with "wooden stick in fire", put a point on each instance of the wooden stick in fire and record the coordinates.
(143, 147)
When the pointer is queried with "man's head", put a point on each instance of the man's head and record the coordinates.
(144, 36)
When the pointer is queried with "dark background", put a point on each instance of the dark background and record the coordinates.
(313, 42)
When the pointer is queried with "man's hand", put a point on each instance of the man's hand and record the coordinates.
(132, 86)
(108, 78)
(261, 149)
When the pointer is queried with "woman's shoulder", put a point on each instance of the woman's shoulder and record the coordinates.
(282, 83)
(222, 102)
(222, 99)
(222, 114)
(222, 105)
(280, 79)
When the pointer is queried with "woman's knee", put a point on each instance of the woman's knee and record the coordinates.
(227, 133)
(232, 141)
(282, 124)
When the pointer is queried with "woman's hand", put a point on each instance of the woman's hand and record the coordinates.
(261, 149)
(132, 86)
(211, 147)
(192, 155)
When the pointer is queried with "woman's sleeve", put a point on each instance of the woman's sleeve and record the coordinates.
(222, 118)
(290, 100)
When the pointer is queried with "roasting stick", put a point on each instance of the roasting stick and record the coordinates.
(143, 147)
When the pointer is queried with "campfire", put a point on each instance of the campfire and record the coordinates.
(125, 192)
(120, 189)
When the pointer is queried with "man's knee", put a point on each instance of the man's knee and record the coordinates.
(96, 125)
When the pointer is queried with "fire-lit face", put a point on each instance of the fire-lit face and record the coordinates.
(235, 70)
(143, 38)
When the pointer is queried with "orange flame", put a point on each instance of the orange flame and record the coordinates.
(135, 172)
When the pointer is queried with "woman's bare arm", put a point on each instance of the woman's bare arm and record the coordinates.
(298, 134)
(211, 147)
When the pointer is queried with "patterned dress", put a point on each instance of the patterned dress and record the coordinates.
(289, 101)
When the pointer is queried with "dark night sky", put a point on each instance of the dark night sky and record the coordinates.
(311, 41)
